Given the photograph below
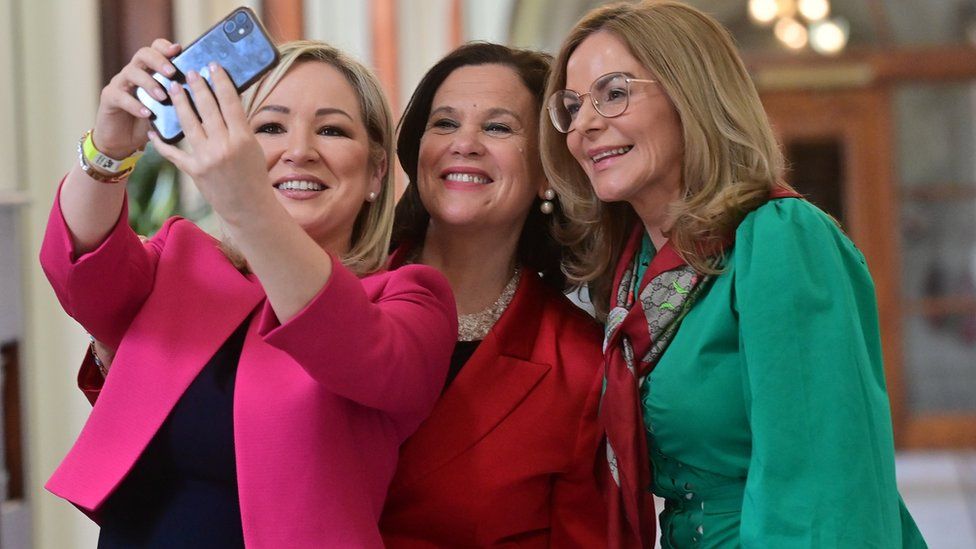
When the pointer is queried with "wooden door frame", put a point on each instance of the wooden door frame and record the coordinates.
(875, 74)
(126, 25)
(860, 119)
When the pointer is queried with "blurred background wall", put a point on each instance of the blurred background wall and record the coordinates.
(873, 100)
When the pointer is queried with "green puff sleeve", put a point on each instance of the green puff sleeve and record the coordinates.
(822, 469)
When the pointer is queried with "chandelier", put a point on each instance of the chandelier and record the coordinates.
(801, 23)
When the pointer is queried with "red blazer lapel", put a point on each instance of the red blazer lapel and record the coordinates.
(494, 382)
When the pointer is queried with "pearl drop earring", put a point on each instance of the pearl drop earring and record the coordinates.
(547, 206)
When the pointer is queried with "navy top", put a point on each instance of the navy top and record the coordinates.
(182, 492)
(462, 353)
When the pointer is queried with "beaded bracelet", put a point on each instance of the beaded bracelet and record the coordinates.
(98, 362)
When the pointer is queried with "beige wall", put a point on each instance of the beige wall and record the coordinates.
(8, 117)
(341, 24)
(192, 17)
(58, 88)
(424, 37)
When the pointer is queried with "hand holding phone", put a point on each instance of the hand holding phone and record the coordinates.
(121, 122)
(238, 43)
(223, 157)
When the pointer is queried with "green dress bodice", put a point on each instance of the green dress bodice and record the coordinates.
(767, 417)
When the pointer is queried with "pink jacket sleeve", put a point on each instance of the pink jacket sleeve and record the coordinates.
(384, 341)
(426, 305)
(103, 289)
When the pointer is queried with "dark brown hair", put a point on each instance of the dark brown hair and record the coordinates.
(537, 249)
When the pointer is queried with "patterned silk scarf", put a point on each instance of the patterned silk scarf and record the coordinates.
(638, 332)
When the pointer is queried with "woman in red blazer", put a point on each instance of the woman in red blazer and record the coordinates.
(261, 390)
(507, 456)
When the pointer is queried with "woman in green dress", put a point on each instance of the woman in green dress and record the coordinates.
(744, 378)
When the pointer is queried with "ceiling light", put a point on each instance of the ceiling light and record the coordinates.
(829, 37)
(791, 32)
(814, 10)
(763, 11)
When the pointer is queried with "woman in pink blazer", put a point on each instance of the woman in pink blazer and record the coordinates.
(262, 383)
(507, 456)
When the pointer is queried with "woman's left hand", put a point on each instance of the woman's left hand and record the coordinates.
(226, 161)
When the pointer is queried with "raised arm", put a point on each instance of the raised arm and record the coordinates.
(384, 342)
(91, 206)
(227, 164)
(100, 271)
(102, 288)
(385, 347)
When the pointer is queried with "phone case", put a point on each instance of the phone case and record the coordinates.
(239, 43)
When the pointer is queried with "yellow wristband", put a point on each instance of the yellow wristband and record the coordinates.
(104, 163)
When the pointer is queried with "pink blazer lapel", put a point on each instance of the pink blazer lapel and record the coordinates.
(495, 380)
(198, 301)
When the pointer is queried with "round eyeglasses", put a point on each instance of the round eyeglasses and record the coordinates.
(610, 95)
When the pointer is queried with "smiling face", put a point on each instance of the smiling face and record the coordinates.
(634, 156)
(317, 151)
(478, 165)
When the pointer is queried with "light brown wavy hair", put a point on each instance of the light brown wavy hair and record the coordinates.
(374, 224)
(731, 159)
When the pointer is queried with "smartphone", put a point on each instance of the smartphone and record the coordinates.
(239, 43)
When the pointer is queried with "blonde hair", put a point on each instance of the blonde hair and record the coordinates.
(731, 159)
(370, 241)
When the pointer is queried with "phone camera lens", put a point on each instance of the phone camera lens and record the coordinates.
(238, 27)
